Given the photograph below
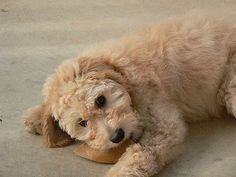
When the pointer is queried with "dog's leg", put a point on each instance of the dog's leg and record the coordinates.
(162, 142)
(32, 119)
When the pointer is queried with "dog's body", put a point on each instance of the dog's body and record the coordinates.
(181, 70)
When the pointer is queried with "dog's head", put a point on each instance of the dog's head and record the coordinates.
(91, 101)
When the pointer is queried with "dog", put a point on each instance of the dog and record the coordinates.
(145, 87)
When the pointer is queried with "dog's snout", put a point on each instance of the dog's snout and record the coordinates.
(118, 136)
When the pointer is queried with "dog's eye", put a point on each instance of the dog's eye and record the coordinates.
(83, 123)
(100, 101)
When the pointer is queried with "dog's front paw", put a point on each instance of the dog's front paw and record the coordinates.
(32, 120)
(29, 127)
(137, 161)
(113, 174)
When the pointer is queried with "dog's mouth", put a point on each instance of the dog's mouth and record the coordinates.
(136, 136)
(134, 139)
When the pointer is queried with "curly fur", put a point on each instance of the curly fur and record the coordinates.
(178, 71)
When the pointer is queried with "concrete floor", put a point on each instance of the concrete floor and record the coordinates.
(35, 36)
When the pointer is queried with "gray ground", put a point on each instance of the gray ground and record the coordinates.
(35, 36)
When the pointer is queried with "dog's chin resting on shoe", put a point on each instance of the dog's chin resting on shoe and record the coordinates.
(156, 80)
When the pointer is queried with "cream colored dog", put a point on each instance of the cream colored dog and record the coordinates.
(181, 70)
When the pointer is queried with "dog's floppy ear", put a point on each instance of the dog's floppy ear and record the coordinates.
(53, 136)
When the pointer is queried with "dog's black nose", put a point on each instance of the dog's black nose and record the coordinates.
(118, 136)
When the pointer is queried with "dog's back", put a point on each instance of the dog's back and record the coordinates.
(188, 55)
(197, 53)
